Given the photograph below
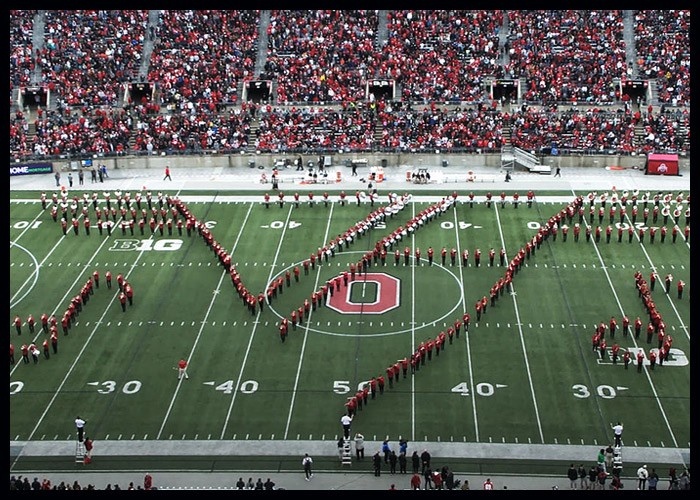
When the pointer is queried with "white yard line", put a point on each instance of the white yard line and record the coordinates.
(631, 337)
(306, 330)
(520, 333)
(87, 341)
(203, 324)
(255, 324)
(413, 326)
(470, 368)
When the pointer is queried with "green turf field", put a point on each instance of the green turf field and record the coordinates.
(524, 373)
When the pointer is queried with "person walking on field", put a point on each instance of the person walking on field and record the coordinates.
(167, 173)
(307, 462)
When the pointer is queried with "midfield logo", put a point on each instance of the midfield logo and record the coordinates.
(386, 297)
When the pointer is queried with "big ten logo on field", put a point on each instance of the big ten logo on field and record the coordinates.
(127, 245)
(376, 293)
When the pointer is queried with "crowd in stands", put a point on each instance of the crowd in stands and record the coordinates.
(598, 130)
(199, 58)
(567, 55)
(434, 128)
(20, 483)
(663, 52)
(202, 55)
(89, 54)
(21, 60)
(309, 128)
(321, 55)
(441, 55)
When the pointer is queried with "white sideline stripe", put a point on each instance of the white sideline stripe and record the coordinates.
(247, 198)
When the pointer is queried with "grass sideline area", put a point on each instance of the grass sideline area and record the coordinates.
(525, 373)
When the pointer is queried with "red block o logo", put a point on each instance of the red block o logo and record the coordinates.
(387, 296)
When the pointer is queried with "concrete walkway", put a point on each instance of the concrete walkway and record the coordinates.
(358, 477)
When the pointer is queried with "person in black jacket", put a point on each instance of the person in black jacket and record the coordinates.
(377, 462)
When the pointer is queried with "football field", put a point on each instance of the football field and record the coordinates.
(523, 372)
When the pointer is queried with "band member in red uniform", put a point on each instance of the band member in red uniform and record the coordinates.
(650, 331)
(429, 346)
(453, 256)
(615, 352)
(401, 364)
(613, 327)
(625, 325)
(293, 319)
(637, 327)
(430, 256)
(477, 257)
(65, 323)
(380, 384)
(30, 322)
(465, 257)
(443, 254)
(25, 353)
(602, 348)
(129, 292)
(465, 321)
(626, 359)
(681, 285)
